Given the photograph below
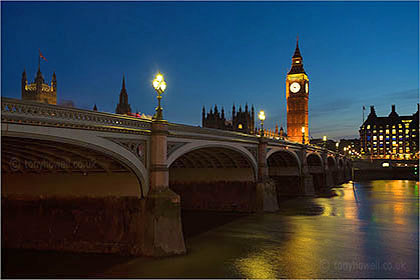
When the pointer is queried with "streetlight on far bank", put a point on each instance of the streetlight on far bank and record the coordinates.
(261, 116)
(159, 85)
(324, 139)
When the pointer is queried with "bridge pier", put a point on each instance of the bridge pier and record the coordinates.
(266, 188)
(329, 178)
(163, 206)
(307, 183)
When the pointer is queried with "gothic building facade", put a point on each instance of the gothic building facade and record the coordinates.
(39, 90)
(241, 121)
(123, 107)
(394, 136)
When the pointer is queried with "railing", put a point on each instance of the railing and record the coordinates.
(26, 112)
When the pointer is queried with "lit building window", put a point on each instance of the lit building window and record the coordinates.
(399, 131)
(240, 126)
(400, 125)
(394, 131)
(407, 131)
(368, 126)
(380, 131)
(374, 137)
(407, 125)
(381, 137)
(387, 131)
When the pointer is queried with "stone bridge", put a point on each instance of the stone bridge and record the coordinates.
(85, 181)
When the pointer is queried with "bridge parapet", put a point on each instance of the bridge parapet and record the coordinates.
(26, 112)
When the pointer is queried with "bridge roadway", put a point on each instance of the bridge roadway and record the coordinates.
(85, 181)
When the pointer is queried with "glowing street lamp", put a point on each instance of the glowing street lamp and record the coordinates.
(336, 145)
(324, 138)
(159, 85)
(303, 135)
(261, 116)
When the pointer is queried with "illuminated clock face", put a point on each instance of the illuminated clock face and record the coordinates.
(307, 87)
(294, 87)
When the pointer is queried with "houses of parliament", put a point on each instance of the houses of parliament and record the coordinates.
(242, 120)
(297, 96)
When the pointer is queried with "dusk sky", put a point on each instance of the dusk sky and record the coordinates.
(355, 54)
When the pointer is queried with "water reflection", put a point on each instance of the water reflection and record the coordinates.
(369, 230)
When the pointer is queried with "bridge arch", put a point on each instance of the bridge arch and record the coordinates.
(340, 163)
(317, 170)
(314, 159)
(290, 152)
(284, 167)
(214, 176)
(85, 139)
(331, 163)
(203, 144)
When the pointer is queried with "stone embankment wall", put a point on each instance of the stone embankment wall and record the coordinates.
(100, 225)
(217, 196)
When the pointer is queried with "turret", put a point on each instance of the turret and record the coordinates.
(54, 82)
(203, 117)
(39, 91)
(95, 108)
(252, 118)
(39, 80)
(123, 107)
(233, 111)
(297, 61)
(372, 111)
(24, 81)
(393, 113)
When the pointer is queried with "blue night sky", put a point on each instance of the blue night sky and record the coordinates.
(355, 54)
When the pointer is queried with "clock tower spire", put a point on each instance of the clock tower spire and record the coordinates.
(297, 95)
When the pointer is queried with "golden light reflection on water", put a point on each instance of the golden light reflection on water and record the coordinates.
(257, 267)
(399, 189)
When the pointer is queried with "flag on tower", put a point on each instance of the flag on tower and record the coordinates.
(41, 56)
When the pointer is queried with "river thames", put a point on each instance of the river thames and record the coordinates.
(369, 230)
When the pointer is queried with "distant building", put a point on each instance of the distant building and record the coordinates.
(242, 121)
(39, 91)
(352, 146)
(395, 137)
(123, 107)
(329, 144)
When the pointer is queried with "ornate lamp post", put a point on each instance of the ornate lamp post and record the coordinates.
(336, 145)
(324, 139)
(159, 85)
(261, 116)
(303, 135)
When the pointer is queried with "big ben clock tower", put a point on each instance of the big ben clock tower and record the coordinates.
(297, 95)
